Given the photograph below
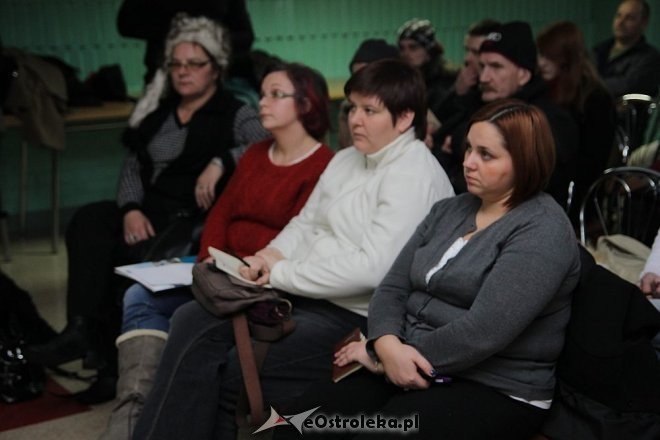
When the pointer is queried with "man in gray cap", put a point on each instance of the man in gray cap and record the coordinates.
(507, 61)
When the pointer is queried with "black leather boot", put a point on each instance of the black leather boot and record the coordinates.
(69, 345)
(103, 389)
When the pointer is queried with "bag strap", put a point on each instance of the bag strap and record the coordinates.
(270, 333)
(250, 373)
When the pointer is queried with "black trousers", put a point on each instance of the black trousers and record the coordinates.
(460, 410)
(95, 245)
(199, 377)
(19, 316)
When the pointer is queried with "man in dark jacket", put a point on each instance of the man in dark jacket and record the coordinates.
(626, 62)
(507, 60)
(467, 79)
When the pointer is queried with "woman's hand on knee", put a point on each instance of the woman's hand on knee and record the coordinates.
(137, 227)
(357, 352)
(205, 186)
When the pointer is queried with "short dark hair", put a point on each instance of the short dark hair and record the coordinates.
(646, 9)
(311, 96)
(528, 139)
(483, 27)
(397, 85)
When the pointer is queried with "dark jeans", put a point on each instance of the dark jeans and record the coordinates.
(196, 387)
(461, 410)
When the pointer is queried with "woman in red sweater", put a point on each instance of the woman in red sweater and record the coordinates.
(271, 183)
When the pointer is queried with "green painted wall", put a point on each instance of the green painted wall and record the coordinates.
(321, 33)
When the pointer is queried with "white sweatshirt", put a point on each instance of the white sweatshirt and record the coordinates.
(361, 213)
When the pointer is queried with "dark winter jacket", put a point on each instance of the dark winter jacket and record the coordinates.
(210, 134)
(636, 70)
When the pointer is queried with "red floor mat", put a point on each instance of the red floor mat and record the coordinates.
(47, 407)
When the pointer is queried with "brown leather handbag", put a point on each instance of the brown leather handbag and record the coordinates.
(259, 316)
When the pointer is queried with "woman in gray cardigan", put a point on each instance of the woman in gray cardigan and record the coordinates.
(469, 322)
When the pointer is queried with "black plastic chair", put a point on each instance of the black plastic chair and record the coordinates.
(623, 200)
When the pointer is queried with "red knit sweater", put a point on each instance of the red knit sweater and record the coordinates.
(259, 200)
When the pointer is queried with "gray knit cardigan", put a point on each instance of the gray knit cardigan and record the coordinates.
(497, 312)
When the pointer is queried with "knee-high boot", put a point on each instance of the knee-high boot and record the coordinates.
(139, 356)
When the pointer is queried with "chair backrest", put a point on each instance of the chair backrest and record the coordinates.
(623, 200)
(633, 111)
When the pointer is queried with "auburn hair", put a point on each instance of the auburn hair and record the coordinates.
(528, 139)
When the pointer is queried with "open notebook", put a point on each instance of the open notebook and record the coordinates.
(230, 265)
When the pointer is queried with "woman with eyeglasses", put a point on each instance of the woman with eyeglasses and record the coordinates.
(329, 258)
(183, 139)
(271, 183)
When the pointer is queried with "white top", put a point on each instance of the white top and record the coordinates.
(361, 213)
(450, 253)
(653, 262)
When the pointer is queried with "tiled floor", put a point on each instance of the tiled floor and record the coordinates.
(34, 268)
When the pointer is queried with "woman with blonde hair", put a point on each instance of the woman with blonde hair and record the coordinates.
(184, 137)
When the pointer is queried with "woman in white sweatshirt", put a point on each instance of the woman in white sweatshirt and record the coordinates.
(330, 258)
